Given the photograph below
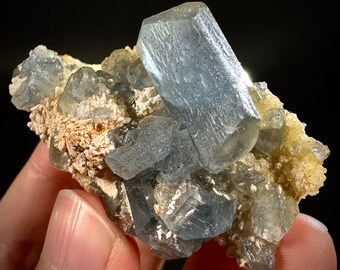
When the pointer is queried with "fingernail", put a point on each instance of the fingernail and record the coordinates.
(77, 237)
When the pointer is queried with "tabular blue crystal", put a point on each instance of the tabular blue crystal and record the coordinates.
(259, 256)
(272, 213)
(81, 85)
(111, 82)
(182, 159)
(138, 76)
(152, 144)
(38, 75)
(194, 212)
(200, 80)
(148, 226)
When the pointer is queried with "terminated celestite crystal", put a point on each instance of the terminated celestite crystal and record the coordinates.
(36, 78)
(201, 81)
(179, 146)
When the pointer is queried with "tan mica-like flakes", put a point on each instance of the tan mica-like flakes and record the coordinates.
(175, 142)
(81, 139)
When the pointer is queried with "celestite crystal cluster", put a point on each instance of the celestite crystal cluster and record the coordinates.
(180, 146)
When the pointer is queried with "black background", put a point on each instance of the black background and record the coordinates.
(290, 45)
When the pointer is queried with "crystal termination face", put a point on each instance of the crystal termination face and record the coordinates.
(200, 81)
(179, 146)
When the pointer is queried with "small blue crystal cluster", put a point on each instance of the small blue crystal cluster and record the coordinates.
(211, 123)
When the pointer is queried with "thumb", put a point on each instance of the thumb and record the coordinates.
(79, 236)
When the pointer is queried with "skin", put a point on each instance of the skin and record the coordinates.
(48, 222)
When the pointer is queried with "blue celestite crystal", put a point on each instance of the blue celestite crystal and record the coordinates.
(148, 225)
(170, 163)
(201, 81)
(273, 122)
(153, 144)
(36, 78)
(82, 84)
(196, 213)
(259, 256)
(182, 159)
(269, 222)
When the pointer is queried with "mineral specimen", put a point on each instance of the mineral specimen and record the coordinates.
(179, 146)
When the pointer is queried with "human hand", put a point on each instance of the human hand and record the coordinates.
(48, 222)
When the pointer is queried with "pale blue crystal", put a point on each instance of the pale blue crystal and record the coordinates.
(201, 81)
(122, 88)
(320, 150)
(182, 159)
(117, 64)
(81, 85)
(219, 181)
(246, 179)
(259, 254)
(37, 78)
(137, 76)
(124, 135)
(272, 213)
(273, 122)
(272, 133)
(140, 194)
(152, 145)
(148, 226)
(194, 212)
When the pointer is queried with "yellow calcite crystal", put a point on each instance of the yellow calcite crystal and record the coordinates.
(298, 164)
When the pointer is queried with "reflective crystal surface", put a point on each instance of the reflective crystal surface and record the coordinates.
(178, 147)
(118, 63)
(201, 81)
(182, 159)
(260, 255)
(36, 78)
(272, 213)
(56, 157)
(82, 84)
(196, 213)
(153, 144)
(149, 227)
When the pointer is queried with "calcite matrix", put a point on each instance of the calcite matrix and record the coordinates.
(177, 141)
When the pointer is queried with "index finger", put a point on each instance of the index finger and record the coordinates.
(26, 207)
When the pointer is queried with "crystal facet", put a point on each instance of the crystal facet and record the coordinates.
(82, 84)
(196, 213)
(149, 227)
(182, 159)
(170, 136)
(153, 144)
(201, 81)
(36, 78)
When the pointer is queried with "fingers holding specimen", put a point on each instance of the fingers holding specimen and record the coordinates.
(81, 237)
